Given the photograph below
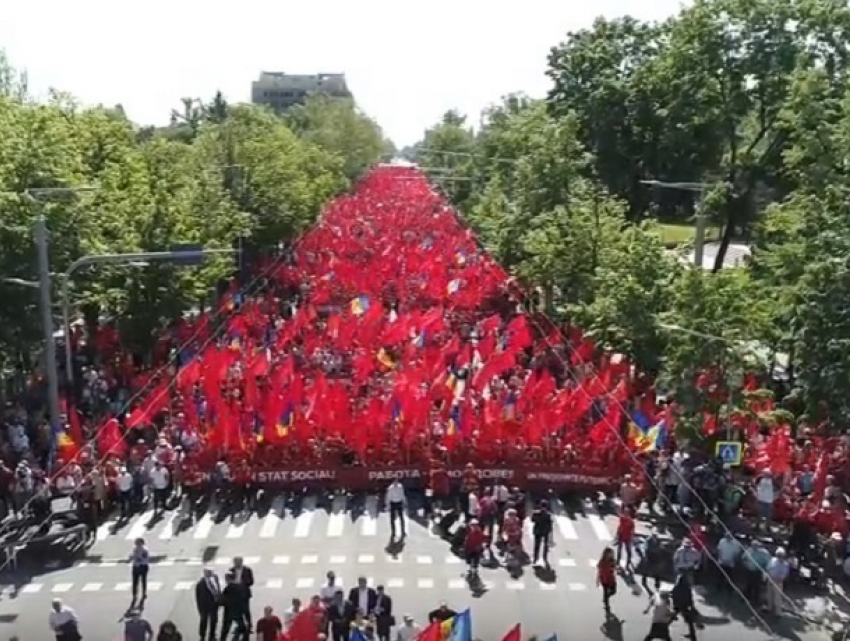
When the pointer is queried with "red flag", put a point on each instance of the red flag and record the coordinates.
(433, 632)
(513, 635)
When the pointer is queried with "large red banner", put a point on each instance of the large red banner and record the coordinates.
(359, 478)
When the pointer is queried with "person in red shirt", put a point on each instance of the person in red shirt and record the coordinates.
(473, 546)
(606, 577)
(625, 536)
(269, 626)
(439, 482)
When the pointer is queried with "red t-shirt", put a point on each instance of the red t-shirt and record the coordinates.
(268, 628)
(626, 528)
(606, 572)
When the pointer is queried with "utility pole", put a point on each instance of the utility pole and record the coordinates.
(51, 370)
(701, 220)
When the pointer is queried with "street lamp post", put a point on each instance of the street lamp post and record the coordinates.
(137, 260)
(697, 188)
(34, 198)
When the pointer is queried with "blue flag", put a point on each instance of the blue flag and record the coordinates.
(462, 627)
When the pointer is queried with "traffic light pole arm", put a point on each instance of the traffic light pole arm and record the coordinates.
(114, 259)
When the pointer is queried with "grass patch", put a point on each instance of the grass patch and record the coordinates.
(673, 235)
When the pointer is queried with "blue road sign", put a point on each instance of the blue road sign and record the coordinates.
(730, 452)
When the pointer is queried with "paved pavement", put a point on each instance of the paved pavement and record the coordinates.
(297, 542)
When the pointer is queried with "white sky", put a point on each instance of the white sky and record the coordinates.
(406, 62)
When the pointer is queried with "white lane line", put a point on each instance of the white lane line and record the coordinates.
(337, 560)
(140, 526)
(105, 530)
(281, 560)
(515, 585)
(154, 586)
(425, 583)
(273, 518)
(305, 518)
(599, 527)
(236, 530)
(274, 584)
(370, 517)
(457, 584)
(168, 529)
(183, 585)
(32, 588)
(365, 558)
(424, 560)
(577, 587)
(124, 586)
(306, 582)
(336, 521)
(204, 527)
(63, 587)
(567, 563)
(92, 587)
(564, 523)
(310, 559)
(395, 583)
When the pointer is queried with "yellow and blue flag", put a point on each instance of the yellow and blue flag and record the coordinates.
(386, 359)
(360, 305)
(454, 427)
(461, 627)
(284, 422)
(646, 436)
(397, 411)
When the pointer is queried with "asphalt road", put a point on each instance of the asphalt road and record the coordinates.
(292, 548)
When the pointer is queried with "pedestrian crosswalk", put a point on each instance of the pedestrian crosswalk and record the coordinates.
(334, 520)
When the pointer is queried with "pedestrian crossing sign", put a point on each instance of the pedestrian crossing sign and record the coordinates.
(730, 452)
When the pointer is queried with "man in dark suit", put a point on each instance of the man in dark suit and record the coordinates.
(384, 619)
(340, 614)
(363, 598)
(208, 601)
(245, 578)
(233, 600)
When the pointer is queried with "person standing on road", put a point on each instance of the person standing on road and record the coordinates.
(208, 601)
(269, 626)
(245, 579)
(625, 536)
(233, 600)
(136, 628)
(124, 485)
(683, 603)
(161, 483)
(384, 619)
(396, 502)
(409, 631)
(541, 530)
(662, 615)
(63, 621)
(140, 559)
(606, 577)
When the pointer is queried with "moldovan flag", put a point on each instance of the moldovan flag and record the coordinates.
(433, 632)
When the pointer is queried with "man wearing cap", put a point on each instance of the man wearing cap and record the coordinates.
(408, 631)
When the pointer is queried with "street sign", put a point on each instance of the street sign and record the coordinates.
(730, 452)
(188, 254)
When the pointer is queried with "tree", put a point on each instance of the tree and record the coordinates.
(447, 153)
(337, 126)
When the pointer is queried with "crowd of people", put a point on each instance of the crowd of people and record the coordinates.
(386, 336)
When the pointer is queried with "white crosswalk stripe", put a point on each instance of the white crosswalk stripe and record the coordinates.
(342, 519)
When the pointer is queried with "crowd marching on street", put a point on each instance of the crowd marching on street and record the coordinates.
(397, 327)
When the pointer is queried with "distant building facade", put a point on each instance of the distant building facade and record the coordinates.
(280, 91)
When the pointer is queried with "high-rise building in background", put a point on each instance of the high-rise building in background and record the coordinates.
(280, 91)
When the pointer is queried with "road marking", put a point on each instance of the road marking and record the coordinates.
(124, 586)
(365, 558)
(250, 560)
(370, 517)
(425, 583)
(275, 515)
(336, 521)
(577, 587)
(183, 585)
(592, 563)
(63, 587)
(394, 558)
(223, 560)
(236, 530)
(565, 524)
(168, 529)
(81, 564)
(515, 585)
(204, 527)
(281, 560)
(599, 527)
(424, 560)
(567, 563)
(274, 584)
(92, 587)
(32, 588)
(453, 560)
(167, 563)
(140, 526)
(108, 564)
(310, 559)
(337, 560)
(548, 586)
(457, 584)
(105, 530)
(194, 561)
(154, 586)
(395, 583)
(306, 582)
(305, 519)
